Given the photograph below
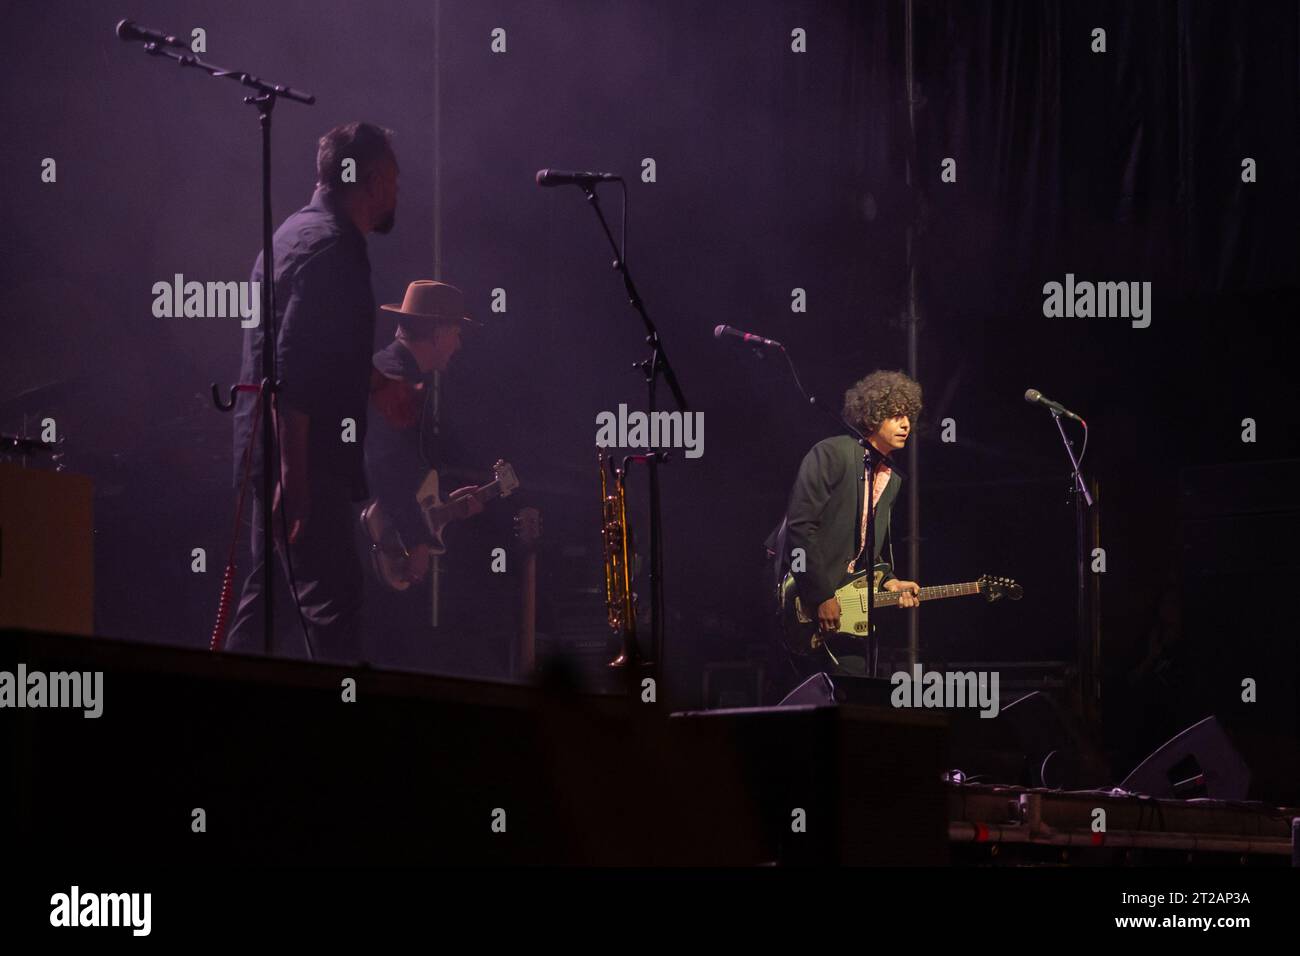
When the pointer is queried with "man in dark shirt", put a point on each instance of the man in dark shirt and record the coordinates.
(826, 519)
(325, 312)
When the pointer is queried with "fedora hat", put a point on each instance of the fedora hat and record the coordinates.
(432, 302)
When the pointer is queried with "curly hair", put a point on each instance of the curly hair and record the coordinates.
(879, 396)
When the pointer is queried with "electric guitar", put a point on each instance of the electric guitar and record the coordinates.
(389, 557)
(799, 629)
(438, 514)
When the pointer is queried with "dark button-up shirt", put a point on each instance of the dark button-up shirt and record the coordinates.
(401, 443)
(325, 311)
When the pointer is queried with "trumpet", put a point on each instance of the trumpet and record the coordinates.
(616, 537)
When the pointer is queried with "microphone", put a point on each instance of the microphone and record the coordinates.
(1035, 397)
(128, 31)
(720, 330)
(569, 177)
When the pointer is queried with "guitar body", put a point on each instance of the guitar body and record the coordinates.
(798, 624)
(389, 558)
(438, 513)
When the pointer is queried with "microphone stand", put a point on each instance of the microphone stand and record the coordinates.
(812, 399)
(651, 368)
(264, 99)
(869, 454)
(1082, 500)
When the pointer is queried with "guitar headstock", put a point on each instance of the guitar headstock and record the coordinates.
(995, 587)
(528, 527)
(504, 473)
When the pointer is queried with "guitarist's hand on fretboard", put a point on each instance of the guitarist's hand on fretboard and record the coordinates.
(911, 591)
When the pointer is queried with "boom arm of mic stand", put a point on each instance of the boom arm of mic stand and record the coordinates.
(247, 79)
(659, 361)
(812, 400)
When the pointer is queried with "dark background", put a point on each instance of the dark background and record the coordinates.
(775, 170)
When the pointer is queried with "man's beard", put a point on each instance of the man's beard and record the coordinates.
(385, 225)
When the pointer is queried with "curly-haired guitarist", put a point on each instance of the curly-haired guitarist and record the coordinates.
(826, 528)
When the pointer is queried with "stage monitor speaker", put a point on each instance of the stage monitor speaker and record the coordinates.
(1200, 762)
(1060, 753)
(824, 689)
(1033, 742)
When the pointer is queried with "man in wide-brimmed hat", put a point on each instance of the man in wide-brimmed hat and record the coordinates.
(400, 443)
(429, 323)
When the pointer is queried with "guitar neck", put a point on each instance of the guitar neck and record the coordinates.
(488, 491)
(890, 598)
(458, 507)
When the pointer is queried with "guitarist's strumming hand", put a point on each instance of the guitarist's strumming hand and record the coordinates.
(828, 615)
(418, 563)
(911, 591)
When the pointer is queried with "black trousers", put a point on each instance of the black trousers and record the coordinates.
(328, 573)
(852, 658)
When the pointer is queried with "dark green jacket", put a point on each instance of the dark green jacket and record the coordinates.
(824, 515)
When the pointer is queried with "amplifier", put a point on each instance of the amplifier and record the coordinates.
(47, 568)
